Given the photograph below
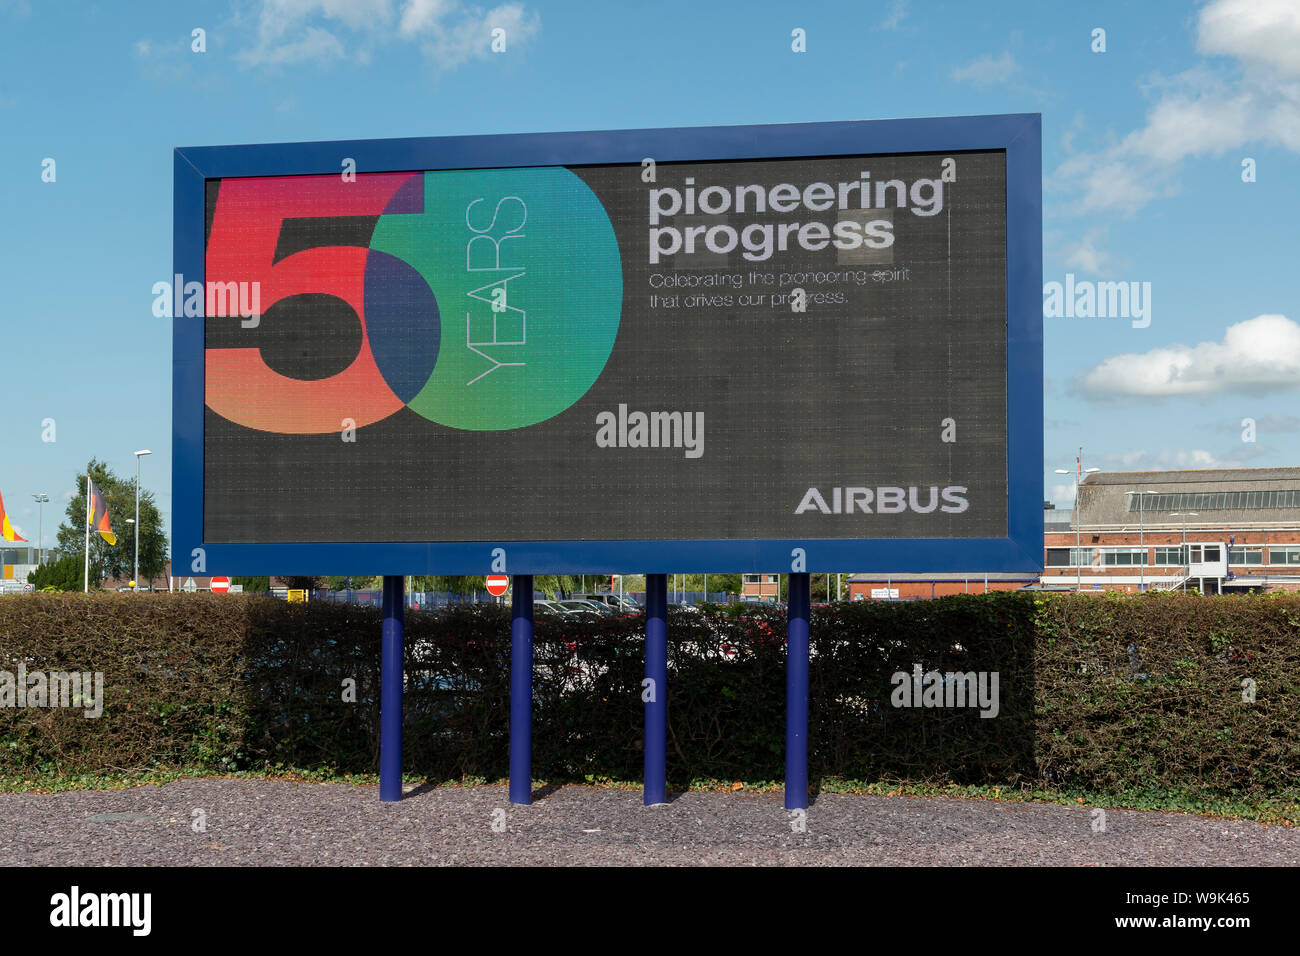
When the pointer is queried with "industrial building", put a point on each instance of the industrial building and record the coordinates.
(1218, 531)
(1215, 530)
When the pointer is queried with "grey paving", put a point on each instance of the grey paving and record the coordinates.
(271, 822)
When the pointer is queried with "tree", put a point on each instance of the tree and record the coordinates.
(65, 574)
(253, 584)
(115, 561)
(453, 584)
(302, 583)
(722, 583)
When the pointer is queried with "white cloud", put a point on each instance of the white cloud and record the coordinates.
(279, 17)
(286, 32)
(450, 35)
(1255, 31)
(1166, 459)
(449, 32)
(315, 43)
(986, 71)
(1086, 255)
(896, 14)
(421, 15)
(1062, 494)
(1202, 111)
(1257, 356)
(1268, 422)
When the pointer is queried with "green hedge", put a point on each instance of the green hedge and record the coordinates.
(1105, 693)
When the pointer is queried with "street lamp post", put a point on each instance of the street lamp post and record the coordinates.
(1185, 515)
(135, 575)
(1078, 547)
(1183, 553)
(1142, 541)
(41, 499)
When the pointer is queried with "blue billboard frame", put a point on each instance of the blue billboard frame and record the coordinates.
(1018, 134)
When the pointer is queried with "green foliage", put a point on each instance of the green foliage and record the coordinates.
(253, 584)
(1136, 699)
(115, 561)
(65, 574)
(302, 582)
(454, 585)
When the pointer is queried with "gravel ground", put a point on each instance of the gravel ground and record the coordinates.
(272, 822)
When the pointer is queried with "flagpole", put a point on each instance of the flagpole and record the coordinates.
(87, 582)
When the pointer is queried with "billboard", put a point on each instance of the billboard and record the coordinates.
(808, 347)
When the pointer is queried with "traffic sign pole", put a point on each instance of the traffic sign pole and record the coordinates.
(521, 691)
(656, 701)
(796, 694)
(390, 710)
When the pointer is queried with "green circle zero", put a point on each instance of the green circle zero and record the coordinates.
(526, 272)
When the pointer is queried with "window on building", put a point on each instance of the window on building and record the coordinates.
(1068, 557)
(1215, 501)
(1175, 557)
(1284, 554)
(1250, 555)
(1122, 557)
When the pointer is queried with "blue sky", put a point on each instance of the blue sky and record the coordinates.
(1143, 151)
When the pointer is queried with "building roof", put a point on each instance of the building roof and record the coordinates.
(905, 576)
(1220, 498)
(1194, 475)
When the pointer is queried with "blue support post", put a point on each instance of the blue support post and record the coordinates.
(656, 670)
(390, 708)
(796, 694)
(521, 690)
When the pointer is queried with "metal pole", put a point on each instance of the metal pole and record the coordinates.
(390, 709)
(521, 690)
(796, 694)
(655, 693)
(135, 573)
(87, 532)
(1142, 543)
(1078, 548)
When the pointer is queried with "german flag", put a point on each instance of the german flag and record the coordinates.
(97, 512)
(7, 532)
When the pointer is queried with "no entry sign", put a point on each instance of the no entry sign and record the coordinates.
(220, 585)
(497, 584)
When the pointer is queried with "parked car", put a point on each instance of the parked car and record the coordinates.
(551, 609)
(585, 608)
(618, 602)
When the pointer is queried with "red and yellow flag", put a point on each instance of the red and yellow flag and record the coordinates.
(7, 532)
(97, 512)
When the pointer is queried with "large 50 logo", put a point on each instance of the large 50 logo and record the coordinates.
(364, 285)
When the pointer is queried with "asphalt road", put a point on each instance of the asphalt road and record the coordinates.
(271, 822)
